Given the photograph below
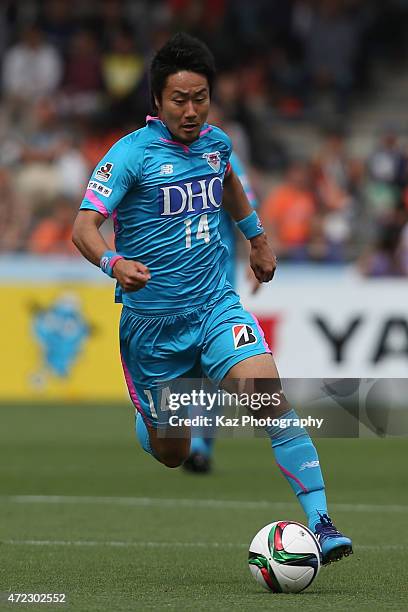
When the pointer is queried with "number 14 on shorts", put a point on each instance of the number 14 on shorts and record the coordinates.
(203, 230)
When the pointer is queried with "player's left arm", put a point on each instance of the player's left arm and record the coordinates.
(235, 202)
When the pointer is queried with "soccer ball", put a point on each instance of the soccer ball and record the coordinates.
(284, 557)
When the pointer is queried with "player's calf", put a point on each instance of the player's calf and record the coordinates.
(173, 458)
(172, 452)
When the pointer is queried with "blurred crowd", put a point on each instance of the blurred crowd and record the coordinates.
(74, 79)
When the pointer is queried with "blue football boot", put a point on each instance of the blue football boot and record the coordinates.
(334, 544)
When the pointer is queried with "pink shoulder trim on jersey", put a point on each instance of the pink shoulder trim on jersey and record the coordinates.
(205, 131)
(180, 144)
(92, 197)
(151, 118)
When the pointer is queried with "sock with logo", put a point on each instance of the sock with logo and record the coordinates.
(298, 461)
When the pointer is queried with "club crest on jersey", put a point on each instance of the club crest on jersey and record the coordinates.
(213, 160)
(104, 172)
(243, 336)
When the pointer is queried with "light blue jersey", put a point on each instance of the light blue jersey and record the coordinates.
(165, 200)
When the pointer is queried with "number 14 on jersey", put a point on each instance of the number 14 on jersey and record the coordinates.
(203, 230)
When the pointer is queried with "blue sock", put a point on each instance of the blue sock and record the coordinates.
(142, 434)
(201, 445)
(298, 461)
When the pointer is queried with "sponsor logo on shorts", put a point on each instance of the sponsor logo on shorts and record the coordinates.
(243, 336)
(104, 172)
(102, 189)
(213, 160)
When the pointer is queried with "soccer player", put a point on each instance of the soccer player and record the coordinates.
(163, 186)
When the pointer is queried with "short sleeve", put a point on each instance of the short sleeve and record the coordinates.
(117, 172)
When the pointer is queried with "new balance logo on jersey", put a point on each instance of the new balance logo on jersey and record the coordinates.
(166, 169)
(104, 172)
(213, 160)
(243, 336)
(190, 198)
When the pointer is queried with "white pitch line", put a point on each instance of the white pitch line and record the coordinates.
(122, 544)
(191, 503)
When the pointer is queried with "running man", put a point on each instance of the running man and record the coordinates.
(163, 185)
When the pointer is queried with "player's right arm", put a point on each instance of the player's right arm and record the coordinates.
(116, 173)
(131, 275)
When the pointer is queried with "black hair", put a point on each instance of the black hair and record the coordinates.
(181, 52)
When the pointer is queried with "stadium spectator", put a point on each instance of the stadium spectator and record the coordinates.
(122, 66)
(106, 17)
(387, 175)
(53, 233)
(32, 68)
(14, 220)
(57, 22)
(337, 180)
(288, 213)
(331, 38)
(49, 160)
(403, 246)
(82, 84)
(388, 257)
(98, 137)
(124, 71)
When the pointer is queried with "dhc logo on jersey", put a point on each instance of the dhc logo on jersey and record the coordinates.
(192, 197)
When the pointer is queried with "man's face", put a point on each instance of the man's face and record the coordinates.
(184, 105)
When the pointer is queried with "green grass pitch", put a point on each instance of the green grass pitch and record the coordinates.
(83, 511)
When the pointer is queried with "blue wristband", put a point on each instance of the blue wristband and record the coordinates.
(251, 226)
(107, 262)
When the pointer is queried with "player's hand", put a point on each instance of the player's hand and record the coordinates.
(254, 282)
(131, 275)
(262, 259)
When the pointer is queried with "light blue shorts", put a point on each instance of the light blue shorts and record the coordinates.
(204, 341)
